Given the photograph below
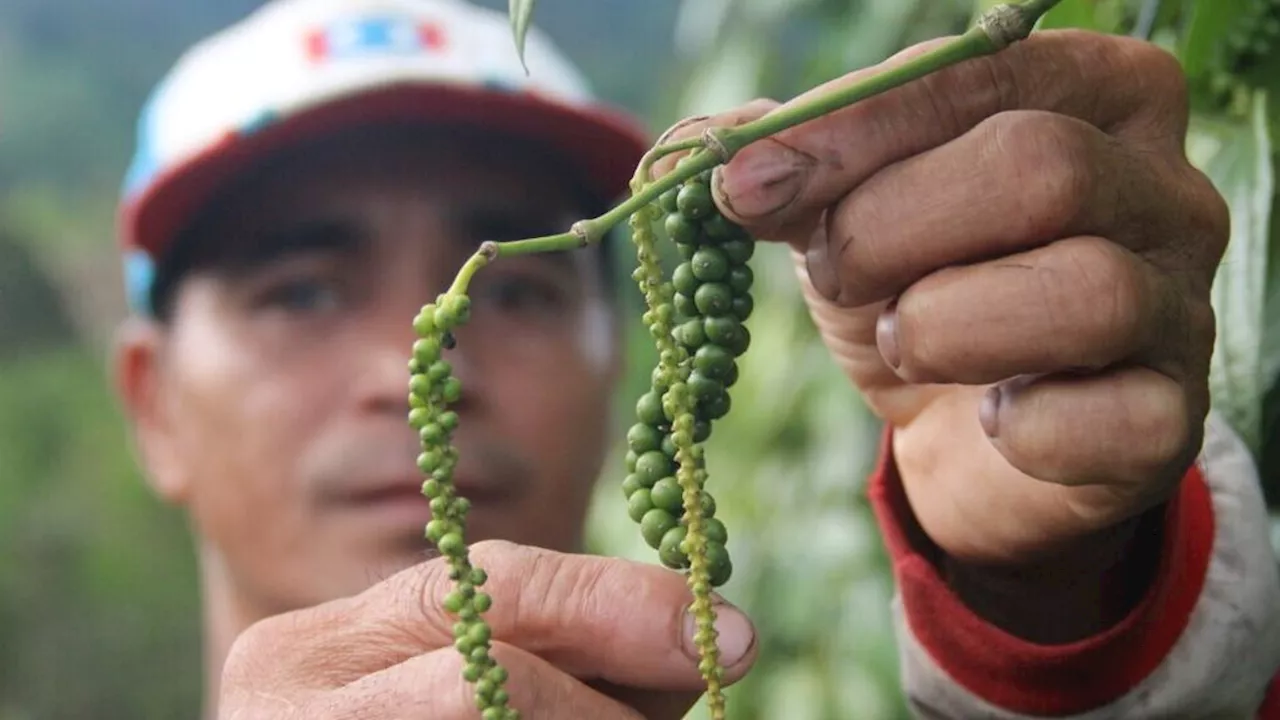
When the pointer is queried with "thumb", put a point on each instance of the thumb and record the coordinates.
(595, 618)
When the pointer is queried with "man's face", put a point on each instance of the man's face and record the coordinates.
(274, 405)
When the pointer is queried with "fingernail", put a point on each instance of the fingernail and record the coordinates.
(822, 275)
(887, 335)
(734, 634)
(989, 411)
(761, 179)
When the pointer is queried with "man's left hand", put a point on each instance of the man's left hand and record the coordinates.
(1012, 260)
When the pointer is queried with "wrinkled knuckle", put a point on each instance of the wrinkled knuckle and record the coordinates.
(920, 354)
(1164, 73)
(1164, 430)
(1052, 164)
(252, 653)
(862, 240)
(1113, 277)
(1093, 290)
(424, 591)
(1210, 207)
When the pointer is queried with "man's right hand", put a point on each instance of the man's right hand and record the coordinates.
(581, 636)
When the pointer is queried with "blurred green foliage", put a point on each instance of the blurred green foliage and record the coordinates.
(99, 611)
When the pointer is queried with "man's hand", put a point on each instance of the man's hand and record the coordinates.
(582, 637)
(1012, 260)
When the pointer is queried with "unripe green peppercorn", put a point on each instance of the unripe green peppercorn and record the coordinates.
(709, 265)
(691, 333)
(684, 279)
(451, 390)
(451, 544)
(694, 201)
(667, 200)
(639, 502)
(713, 299)
(713, 361)
(668, 446)
(684, 305)
(630, 484)
(439, 370)
(649, 409)
(426, 350)
(738, 251)
(704, 387)
(669, 551)
(680, 229)
(715, 531)
(723, 330)
(654, 525)
(653, 466)
(717, 227)
(720, 567)
(643, 437)
(420, 386)
(716, 406)
(666, 494)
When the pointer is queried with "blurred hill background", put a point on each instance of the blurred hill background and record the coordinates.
(99, 612)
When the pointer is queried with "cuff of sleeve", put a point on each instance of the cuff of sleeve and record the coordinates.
(1028, 678)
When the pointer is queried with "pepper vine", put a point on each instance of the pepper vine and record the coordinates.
(697, 319)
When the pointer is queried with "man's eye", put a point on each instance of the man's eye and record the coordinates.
(302, 295)
(522, 293)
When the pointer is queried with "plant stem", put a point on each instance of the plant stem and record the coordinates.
(1011, 22)
(995, 30)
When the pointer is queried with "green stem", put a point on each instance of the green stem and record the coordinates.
(995, 30)
(1014, 23)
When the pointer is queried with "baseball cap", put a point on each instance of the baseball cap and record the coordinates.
(295, 69)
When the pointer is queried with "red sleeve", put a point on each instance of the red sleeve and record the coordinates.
(1027, 678)
(1270, 709)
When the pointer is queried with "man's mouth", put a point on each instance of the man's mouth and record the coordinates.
(408, 490)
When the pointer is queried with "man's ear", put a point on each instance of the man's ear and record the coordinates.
(144, 388)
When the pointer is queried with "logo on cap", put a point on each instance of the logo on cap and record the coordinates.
(366, 36)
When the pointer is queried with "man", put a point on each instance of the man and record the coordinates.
(1011, 260)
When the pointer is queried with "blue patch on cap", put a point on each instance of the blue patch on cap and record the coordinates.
(500, 84)
(139, 275)
(145, 164)
(259, 121)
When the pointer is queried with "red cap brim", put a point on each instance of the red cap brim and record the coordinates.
(602, 144)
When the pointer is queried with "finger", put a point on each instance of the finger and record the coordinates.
(652, 705)
(594, 617)
(432, 685)
(1076, 304)
(1116, 430)
(1018, 180)
(1125, 87)
(694, 126)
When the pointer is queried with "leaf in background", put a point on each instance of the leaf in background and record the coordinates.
(1206, 28)
(1237, 158)
(1106, 16)
(521, 12)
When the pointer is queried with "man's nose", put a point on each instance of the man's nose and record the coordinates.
(388, 344)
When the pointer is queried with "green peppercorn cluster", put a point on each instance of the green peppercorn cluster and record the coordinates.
(432, 388)
(709, 305)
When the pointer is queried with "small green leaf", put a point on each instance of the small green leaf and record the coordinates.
(1105, 16)
(521, 12)
(1201, 45)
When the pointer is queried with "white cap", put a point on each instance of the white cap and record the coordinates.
(296, 68)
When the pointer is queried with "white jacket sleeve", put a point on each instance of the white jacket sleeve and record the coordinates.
(1203, 643)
